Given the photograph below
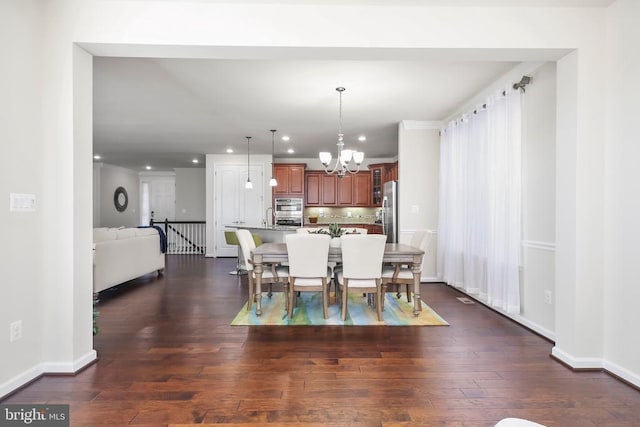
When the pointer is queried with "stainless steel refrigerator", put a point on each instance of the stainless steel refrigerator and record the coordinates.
(390, 211)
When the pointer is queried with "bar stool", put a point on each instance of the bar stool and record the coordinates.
(232, 240)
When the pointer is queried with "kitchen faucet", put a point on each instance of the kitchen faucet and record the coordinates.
(266, 215)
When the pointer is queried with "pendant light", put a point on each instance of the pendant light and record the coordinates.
(248, 185)
(272, 182)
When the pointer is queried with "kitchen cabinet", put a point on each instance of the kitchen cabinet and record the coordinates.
(320, 189)
(329, 190)
(290, 177)
(345, 190)
(381, 173)
(361, 189)
(374, 228)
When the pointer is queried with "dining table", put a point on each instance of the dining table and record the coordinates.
(396, 253)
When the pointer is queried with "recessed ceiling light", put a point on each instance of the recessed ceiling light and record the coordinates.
(362, 138)
(194, 161)
(290, 151)
(229, 150)
(97, 157)
(148, 167)
(285, 138)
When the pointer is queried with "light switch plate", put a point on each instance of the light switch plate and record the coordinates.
(19, 202)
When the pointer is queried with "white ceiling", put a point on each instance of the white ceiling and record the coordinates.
(164, 112)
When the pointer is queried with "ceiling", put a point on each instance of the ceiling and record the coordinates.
(165, 112)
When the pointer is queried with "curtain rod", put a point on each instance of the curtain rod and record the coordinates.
(524, 81)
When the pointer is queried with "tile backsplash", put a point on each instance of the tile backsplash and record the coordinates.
(347, 215)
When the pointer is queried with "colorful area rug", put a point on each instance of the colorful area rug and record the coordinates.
(308, 311)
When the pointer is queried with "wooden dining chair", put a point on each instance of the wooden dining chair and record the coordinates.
(271, 274)
(398, 274)
(308, 271)
(362, 256)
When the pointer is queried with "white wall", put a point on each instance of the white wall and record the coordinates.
(112, 177)
(418, 170)
(190, 194)
(21, 166)
(41, 100)
(538, 199)
(622, 184)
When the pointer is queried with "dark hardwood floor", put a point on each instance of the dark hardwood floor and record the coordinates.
(169, 357)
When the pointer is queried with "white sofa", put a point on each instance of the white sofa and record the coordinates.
(122, 254)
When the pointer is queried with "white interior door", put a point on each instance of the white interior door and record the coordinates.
(163, 199)
(234, 204)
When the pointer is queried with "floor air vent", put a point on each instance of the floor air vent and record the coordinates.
(465, 300)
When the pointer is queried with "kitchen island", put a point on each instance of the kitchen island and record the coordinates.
(268, 234)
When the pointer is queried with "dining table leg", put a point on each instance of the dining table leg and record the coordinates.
(257, 269)
(416, 269)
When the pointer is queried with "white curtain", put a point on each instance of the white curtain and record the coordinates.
(480, 202)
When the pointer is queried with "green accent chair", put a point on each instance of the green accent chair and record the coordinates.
(231, 239)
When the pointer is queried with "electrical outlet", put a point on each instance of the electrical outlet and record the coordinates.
(15, 331)
(547, 297)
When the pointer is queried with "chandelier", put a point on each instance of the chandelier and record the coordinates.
(345, 157)
(248, 185)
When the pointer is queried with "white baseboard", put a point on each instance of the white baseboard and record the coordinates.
(70, 368)
(46, 368)
(430, 279)
(596, 363)
(623, 373)
(577, 362)
(20, 380)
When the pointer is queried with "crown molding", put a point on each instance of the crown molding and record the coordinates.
(421, 124)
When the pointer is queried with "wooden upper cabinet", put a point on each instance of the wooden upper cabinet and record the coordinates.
(313, 193)
(392, 172)
(381, 173)
(345, 190)
(320, 189)
(362, 189)
(296, 179)
(290, 177)
(329, 189)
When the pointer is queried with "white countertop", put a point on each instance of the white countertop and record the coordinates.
(263, 227)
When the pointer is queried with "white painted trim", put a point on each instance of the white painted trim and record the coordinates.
(621, 372)
(545, 246)
(430, 279)
(70, 368)
(577, 362)
(422, 125)
(20, 380)
(46, 368)
(550, 335)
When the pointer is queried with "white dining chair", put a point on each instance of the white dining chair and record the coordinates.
(398, 274)
(361, 268)
(308, 271)
(272, 273)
